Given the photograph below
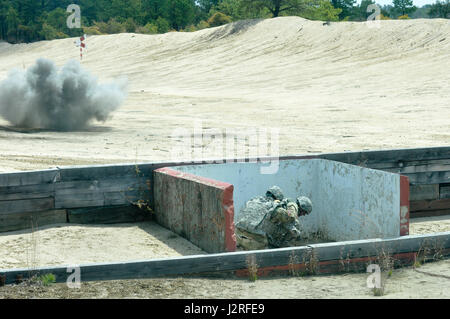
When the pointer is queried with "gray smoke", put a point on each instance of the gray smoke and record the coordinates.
(58, 99)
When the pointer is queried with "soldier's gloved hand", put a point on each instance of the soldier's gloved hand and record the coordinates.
(279, 215)
(294, 232)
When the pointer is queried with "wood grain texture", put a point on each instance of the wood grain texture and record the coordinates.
(333, 254)
(424, 192)
(19, 221)
(423, 205)
(193, 207)
(26, 205)
(444, 191)
(107, 215)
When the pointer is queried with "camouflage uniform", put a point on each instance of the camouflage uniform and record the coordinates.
(249, 233)
(281, 224)
(270, 221)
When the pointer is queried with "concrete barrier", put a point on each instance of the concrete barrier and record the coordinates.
(349, 202)
(196, 208)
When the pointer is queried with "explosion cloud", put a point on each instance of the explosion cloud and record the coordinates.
(63, 99)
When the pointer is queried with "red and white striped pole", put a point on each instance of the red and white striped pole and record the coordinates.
(80, 43)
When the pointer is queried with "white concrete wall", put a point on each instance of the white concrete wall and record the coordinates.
(349, 202)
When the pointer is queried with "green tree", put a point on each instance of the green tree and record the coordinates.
(360, 12)
(181, 13)
(48, 32)
(403, 7)
(324, 11)
(153, 9)
(346, 7)
(440, 9)
(130, 25)
(241, 9)
(163, 25)
(206, 5)
(218, 19)
(4, 7)
(276, 7)
(57, 19)
(388, 11)
(12, 23)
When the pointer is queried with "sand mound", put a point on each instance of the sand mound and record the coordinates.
(327, 88)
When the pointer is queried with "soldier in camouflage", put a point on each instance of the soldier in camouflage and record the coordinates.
(271, 220)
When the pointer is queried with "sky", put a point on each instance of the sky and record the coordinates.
(417, 3)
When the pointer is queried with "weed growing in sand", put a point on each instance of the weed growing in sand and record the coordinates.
(385, 262)
(35, 280)
(47, 279)
(32, 251)
(293, 261)
(140, 193)
(312, 262)
(252, 268)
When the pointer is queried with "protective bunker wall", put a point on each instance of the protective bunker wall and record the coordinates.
(349, 202)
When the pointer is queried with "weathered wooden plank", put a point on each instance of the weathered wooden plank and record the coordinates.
(430, 213)
(105, 172)
(26, 205)
(444, 191)
(398, 155)
(117, 191)
(29, 178)
(418, 169)
(107, 215)
(213, 263)
(429, 177)
(172, 266)
(430, 204)
(194, 208)
(421, 192)
(415, 166)
(377, 247)
(27, 192)
(82, 200)
(19, 221)
(106, 185)
(98, 198)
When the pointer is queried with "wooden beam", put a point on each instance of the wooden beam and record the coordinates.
(19, 221)
(27, 192)
(429, 177)
(102, 192)
(97, 172)
(361, 250)
(422, 192)
(29, 178)
(26, 205)
(422, 205)
(107, 215)
(392, 156)
(444, 191)
(433, 164)
(430, 213)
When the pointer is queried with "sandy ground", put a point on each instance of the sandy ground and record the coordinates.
(404, 283)
(78, 244)
(65, 244)
(326, 88)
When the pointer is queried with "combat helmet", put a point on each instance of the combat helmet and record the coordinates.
(275, 192)
(304, 204)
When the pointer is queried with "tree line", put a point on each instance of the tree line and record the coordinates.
(35, 20)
